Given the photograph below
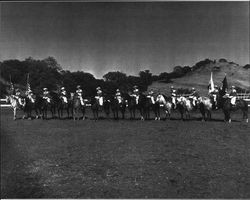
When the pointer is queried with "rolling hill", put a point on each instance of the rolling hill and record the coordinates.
(199, 78)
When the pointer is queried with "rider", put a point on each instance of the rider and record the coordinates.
(213, 95)
(118, 95)
(99, 96)
(151, 96)
(233, 95)
(46, 95)
(18, 96)
(194, 96)
(31, 96)
(173, 95)
(63, 94)
(136, 93)
(79, 94)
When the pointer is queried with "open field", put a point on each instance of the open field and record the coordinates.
(125, 159)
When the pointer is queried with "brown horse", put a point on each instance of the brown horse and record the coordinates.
(227, 107)
(205, 105)
(78, 107)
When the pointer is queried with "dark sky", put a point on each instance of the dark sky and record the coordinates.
(129, 37)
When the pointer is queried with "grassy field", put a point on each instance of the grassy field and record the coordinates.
(125, 159)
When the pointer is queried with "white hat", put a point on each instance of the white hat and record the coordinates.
(117, 90)
(193, 88)
(233, 86)
(98, 88)
(62, 88)
(172, 87)
(45, 89)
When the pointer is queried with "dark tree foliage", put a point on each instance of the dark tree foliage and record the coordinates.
(222, 60)
(247, 66)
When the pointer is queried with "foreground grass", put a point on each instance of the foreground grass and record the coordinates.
(124, 159)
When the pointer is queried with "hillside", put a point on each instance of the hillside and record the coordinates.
(199, 78)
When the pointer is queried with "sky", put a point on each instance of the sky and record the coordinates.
(121, 36)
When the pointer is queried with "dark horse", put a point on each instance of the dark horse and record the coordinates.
(76, 106)
(227, 107)
(117, 106)
(33, 103)
(64, 104)
(134, 105)
(96, 107)
(48, 104)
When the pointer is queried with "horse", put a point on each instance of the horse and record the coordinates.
(185, 105)
(48, 104)
(77, 106)
(152, 104)
(33, 103)
(15, 105)
(167, 104)
(63, 103)
(205, 105)
(136, 103)
(131, 104)
(117, 106)
(227, 107)
(96, 106)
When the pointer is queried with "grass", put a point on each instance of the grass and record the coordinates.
(124, 159)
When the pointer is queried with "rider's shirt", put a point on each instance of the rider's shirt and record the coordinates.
(47, 96)
(63, 96)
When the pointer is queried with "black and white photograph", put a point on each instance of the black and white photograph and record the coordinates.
(124, 99)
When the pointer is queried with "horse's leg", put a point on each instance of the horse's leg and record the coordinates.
(14, 112)
(83, 113)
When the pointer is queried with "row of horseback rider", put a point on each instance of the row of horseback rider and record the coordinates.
(213, 94)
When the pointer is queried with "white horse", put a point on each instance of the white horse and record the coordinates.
(185, 105)
(16, 105)
(167, 105)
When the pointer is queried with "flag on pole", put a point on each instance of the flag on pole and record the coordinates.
(225, 85)
(11, 85)
(28, 84)
(211, 83)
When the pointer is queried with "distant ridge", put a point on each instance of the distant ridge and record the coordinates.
(199, 78)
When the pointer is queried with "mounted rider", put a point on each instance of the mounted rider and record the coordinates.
(63, 95)
(233, 95)
(46, 95)
(214, 95)
(194, 96)
(136, 93)
(118, 95)
(99, 95)
(17, 95)
(173, 96)
(30, 95)
(151, 96)
(79, 94)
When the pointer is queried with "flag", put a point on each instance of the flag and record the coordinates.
(11, 85)
(225, 85)
(28, 85)
(211, 83)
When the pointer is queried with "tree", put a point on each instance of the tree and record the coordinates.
(117, 77)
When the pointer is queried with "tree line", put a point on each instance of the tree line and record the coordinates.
(49, 73)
